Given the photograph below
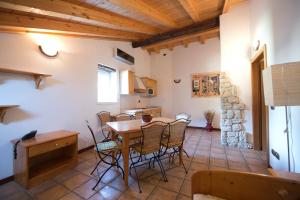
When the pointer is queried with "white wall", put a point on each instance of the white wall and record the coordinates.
(162, 71)
(276, 23)
(235, 54)
(67, 98)
(181, 63)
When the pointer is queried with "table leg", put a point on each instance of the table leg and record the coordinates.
(125, 152)
(180, 155)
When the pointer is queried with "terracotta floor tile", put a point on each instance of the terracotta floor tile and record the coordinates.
(160, 193)
(70, 196)
(173, 184)
(106, 193)
(201, 159)
(75, 181)
(134, 191)
(85, 190)
(9, 189)
(177, 172)
(218, 162)
(65, 175)
(198, 166)
(119, 183)
(205, 152)
(183, 197)
(55, 192)
(186, 188)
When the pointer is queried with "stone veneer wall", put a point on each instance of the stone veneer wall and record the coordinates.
(232, 116)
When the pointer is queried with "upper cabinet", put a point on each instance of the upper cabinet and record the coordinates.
(151, 86)
(127, 82)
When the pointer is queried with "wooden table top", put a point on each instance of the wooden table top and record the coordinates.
(134, 125)
(45, 137)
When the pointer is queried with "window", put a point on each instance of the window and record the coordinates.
(107, 84)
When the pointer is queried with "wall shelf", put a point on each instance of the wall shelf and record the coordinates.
(3, 109)
(38, 77)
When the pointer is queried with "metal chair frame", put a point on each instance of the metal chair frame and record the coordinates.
(155, 155)
(106, 153)
(102, 123)
(188, 117)
(178, 148)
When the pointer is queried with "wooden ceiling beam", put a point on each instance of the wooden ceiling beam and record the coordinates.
(191, 8)
(226, 6)
(197, 28)
(185, 40)
(74, 8)
(13, 20)
(147, 10)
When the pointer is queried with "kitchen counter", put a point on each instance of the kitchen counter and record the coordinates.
(155, 111)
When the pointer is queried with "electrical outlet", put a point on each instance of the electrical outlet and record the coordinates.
(276, 154)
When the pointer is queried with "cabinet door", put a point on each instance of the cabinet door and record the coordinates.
(131, 82)
(127, 82)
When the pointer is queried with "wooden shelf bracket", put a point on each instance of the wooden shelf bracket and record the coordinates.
(3, 110)
(38, 77)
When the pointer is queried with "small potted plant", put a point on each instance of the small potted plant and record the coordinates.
(209, 116)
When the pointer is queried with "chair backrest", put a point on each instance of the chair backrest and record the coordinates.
(104, 117)
(92, 132)
(177, 130)
(138, 115)
(152, 135)
(183, 116)
(123, 117)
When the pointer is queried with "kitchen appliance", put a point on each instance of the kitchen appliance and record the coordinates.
(149, 92)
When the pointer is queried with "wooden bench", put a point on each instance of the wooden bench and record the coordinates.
(233, 185)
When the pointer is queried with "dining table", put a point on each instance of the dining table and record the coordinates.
(129, 130)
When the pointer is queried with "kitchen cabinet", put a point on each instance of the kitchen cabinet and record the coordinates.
(127, 82)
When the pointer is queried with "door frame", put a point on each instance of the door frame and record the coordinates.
(260, 54)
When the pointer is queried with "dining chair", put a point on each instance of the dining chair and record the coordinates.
(123, 117)
(183, 115)
(174, 140)
(106, 149)
(138, 115)
(186, 116)
(105, 117)
(150, 144)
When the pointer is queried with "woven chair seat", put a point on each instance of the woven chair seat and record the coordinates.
(171, 144)
(146, 150)
(107, 146)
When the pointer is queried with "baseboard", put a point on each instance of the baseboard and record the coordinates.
(6, 180)
(203, 128)
(11, 178)
(86, 149)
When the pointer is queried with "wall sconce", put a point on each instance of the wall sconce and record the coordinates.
(49, 50)
(178, 80)
(256, 45)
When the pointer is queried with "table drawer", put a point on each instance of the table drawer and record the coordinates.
(50, 146)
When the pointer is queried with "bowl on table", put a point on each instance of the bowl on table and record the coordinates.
(146, 118)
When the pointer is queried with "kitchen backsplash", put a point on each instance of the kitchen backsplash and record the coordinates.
(135, 101)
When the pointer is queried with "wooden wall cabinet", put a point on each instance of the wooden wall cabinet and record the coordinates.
(150, 83)
(44, 156)
(127, 82)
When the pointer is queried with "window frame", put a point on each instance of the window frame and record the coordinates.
(117, 86)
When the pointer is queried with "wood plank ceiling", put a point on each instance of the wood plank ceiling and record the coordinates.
(150, 24)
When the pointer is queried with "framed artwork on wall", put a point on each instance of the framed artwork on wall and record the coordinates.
(206, 84)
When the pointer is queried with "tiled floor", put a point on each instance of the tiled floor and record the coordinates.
(205, 153)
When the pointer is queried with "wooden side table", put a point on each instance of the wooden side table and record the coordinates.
(44, 156)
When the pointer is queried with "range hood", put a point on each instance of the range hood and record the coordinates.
(139, 86)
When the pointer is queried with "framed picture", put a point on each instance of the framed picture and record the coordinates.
(206, 84)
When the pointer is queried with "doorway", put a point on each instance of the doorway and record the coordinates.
(260, 112)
